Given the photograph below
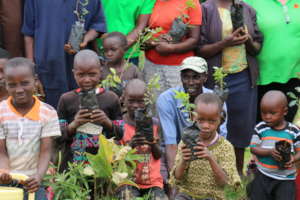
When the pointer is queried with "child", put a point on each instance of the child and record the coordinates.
(27, 127)
(272, 182)
(147, 174)
(115, 46)
(205, 177)
(4, 56)
(73, 118)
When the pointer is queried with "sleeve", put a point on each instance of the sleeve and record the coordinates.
(173, 181)
(28, 26)
(195, 13)
(227, 162)
(223, 127)
(97, 21)
(2, 134)
(51, 127)
(257, 34)
(115, 108)
(296, 138)
(63, 119)
(147, 7)
(255, 140)
(166, 116)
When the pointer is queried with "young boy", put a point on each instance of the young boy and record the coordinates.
(147, 174)
(74, 120)
(205, 177)
(27, 127)
(272, 182)
(4, 56)
(115, 46)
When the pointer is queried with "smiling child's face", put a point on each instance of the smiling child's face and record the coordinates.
(87, 75)
(20, 84)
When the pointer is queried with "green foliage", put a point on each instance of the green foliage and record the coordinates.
(150, 95)
(238, 191)
(295, 97)
(113, 166)
(112, 80)
(185, 101)
(69, 185)
(219, 76)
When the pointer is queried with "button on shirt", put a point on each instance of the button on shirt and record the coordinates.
(172, 117)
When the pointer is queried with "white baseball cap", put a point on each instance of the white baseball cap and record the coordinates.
(194, 63)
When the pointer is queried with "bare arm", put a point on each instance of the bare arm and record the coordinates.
(29, 42)
(4, 161)
(171, 150)
(91, 35)
(142, 22)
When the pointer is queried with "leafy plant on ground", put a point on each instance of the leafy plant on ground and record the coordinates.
(69, 185)
(111, 167)
(238, 191)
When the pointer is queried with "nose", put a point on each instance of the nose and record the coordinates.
(109, 53)
(19, 89)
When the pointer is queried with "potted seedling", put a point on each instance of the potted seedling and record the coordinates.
(237, 16)
(190, 135)
(284, 148)
(113, 82)
(77, 30)
(220, 87)
(143, 116)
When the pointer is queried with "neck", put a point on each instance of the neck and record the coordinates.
(117, 65)
(24, 108)
(128, 119)
(209, 140)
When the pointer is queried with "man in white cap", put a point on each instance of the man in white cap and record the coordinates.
(170, 110)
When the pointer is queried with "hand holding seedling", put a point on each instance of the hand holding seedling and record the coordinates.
(138, 140)
(236, 38)
(202, 151)
(164, 48)
(186, 153)
(33, 183)
(100, 117)
(5, 178)
(290, 163)
(275, 154)
(81, 117)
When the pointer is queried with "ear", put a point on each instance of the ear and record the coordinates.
(285, 111)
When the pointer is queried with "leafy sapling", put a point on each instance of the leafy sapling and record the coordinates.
(220, 87)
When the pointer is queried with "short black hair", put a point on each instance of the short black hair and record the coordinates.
(4, 54)
(20, 62)
(122, 38)
(209, 98)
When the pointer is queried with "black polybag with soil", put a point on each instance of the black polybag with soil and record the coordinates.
(144, 123)
(190, 137)
(284, 148)
(237, 16)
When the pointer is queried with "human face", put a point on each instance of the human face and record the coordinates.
(20, 85)
(2, 80)
(208, 119)
(273, 114)
(134, 101)
(192, 82)
(87, 76)
(113, 50)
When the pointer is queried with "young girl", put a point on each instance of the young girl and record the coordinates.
(115, 46)
(215, 166)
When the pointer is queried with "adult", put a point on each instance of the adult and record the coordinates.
(234, 51)
(279, 59)
(47, 26)
(166, 53)
(130, 18)
(171, 111)
(11, 22)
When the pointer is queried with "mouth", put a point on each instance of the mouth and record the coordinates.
(191, 90)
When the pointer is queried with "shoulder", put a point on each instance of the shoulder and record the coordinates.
(261, 127)
(293, 129)
(109, 96)
(69, 96)
(47, 112)
(225, 144)
(167, 98)
(248, 7)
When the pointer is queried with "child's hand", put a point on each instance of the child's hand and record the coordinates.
(276, 155)
(186, 153)
(81, 117)
(290, 163)
(100, 117)
(33, 183)
(138, 140)
(202, 151)
(5, 178)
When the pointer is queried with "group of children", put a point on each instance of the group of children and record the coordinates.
(29, 127)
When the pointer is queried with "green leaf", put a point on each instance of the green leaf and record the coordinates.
(297, 89)
(292, 95)
(292, 103)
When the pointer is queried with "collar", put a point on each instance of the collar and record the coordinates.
(98, 90)
(32, 114)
